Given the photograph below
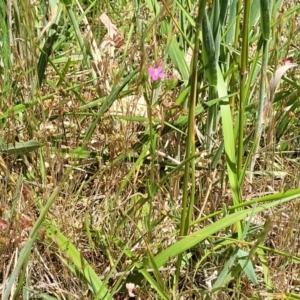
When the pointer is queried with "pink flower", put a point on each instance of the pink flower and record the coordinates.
(288, 60)
(156, 73)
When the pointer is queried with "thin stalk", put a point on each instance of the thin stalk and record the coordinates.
(152, 137)
(5, 46)
(212, 111)
(261, 104)
(26, 250)
(233, 80)
(80, 40)
(237, 25)
(243, 81)
(211, 119)
(237, 33)
(189, 171)
(190, 141)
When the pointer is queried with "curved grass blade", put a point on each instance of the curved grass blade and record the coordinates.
(197, 237)
(141, 269)
(25, 252)
(93, 280)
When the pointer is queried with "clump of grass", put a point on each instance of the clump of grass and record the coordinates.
(133, 159)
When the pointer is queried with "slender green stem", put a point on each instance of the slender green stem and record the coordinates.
(80, 40)
(190, 142)
(152, 136)
(243, 80)
(189, 172)
(261, 103)
(237, 24)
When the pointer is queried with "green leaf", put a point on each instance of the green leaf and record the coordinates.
(229, 143)
(247, 265)
(209, 52)
(20, 148)
(178, 59)
(265, 18)
(225, 275)
(66, 2)
(93, 280)
(26, 250)
(199, 236)
(141, 269)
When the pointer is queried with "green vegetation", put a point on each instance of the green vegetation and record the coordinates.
(149, 149)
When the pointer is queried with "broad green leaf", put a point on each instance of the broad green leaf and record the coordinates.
(254, 14)
(209, 52)
(225, 275)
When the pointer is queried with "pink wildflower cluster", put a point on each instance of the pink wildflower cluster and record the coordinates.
(156, 73)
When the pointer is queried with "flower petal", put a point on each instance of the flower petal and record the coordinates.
(151, 71)
(156, 73)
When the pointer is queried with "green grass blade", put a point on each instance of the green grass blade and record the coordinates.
(229, 142)
(224, 275)
(197, 237)
(209, 52)
(141, 269)
(25, 252)
(94, 282)
(178, 59)
(247, 266)
(107, 104)
(20, 148)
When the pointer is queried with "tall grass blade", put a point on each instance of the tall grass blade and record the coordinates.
(199, 236)
(25, 252)
(94, 282)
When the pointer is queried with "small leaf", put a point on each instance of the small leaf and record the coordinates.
(66, 2)
(247, 266)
